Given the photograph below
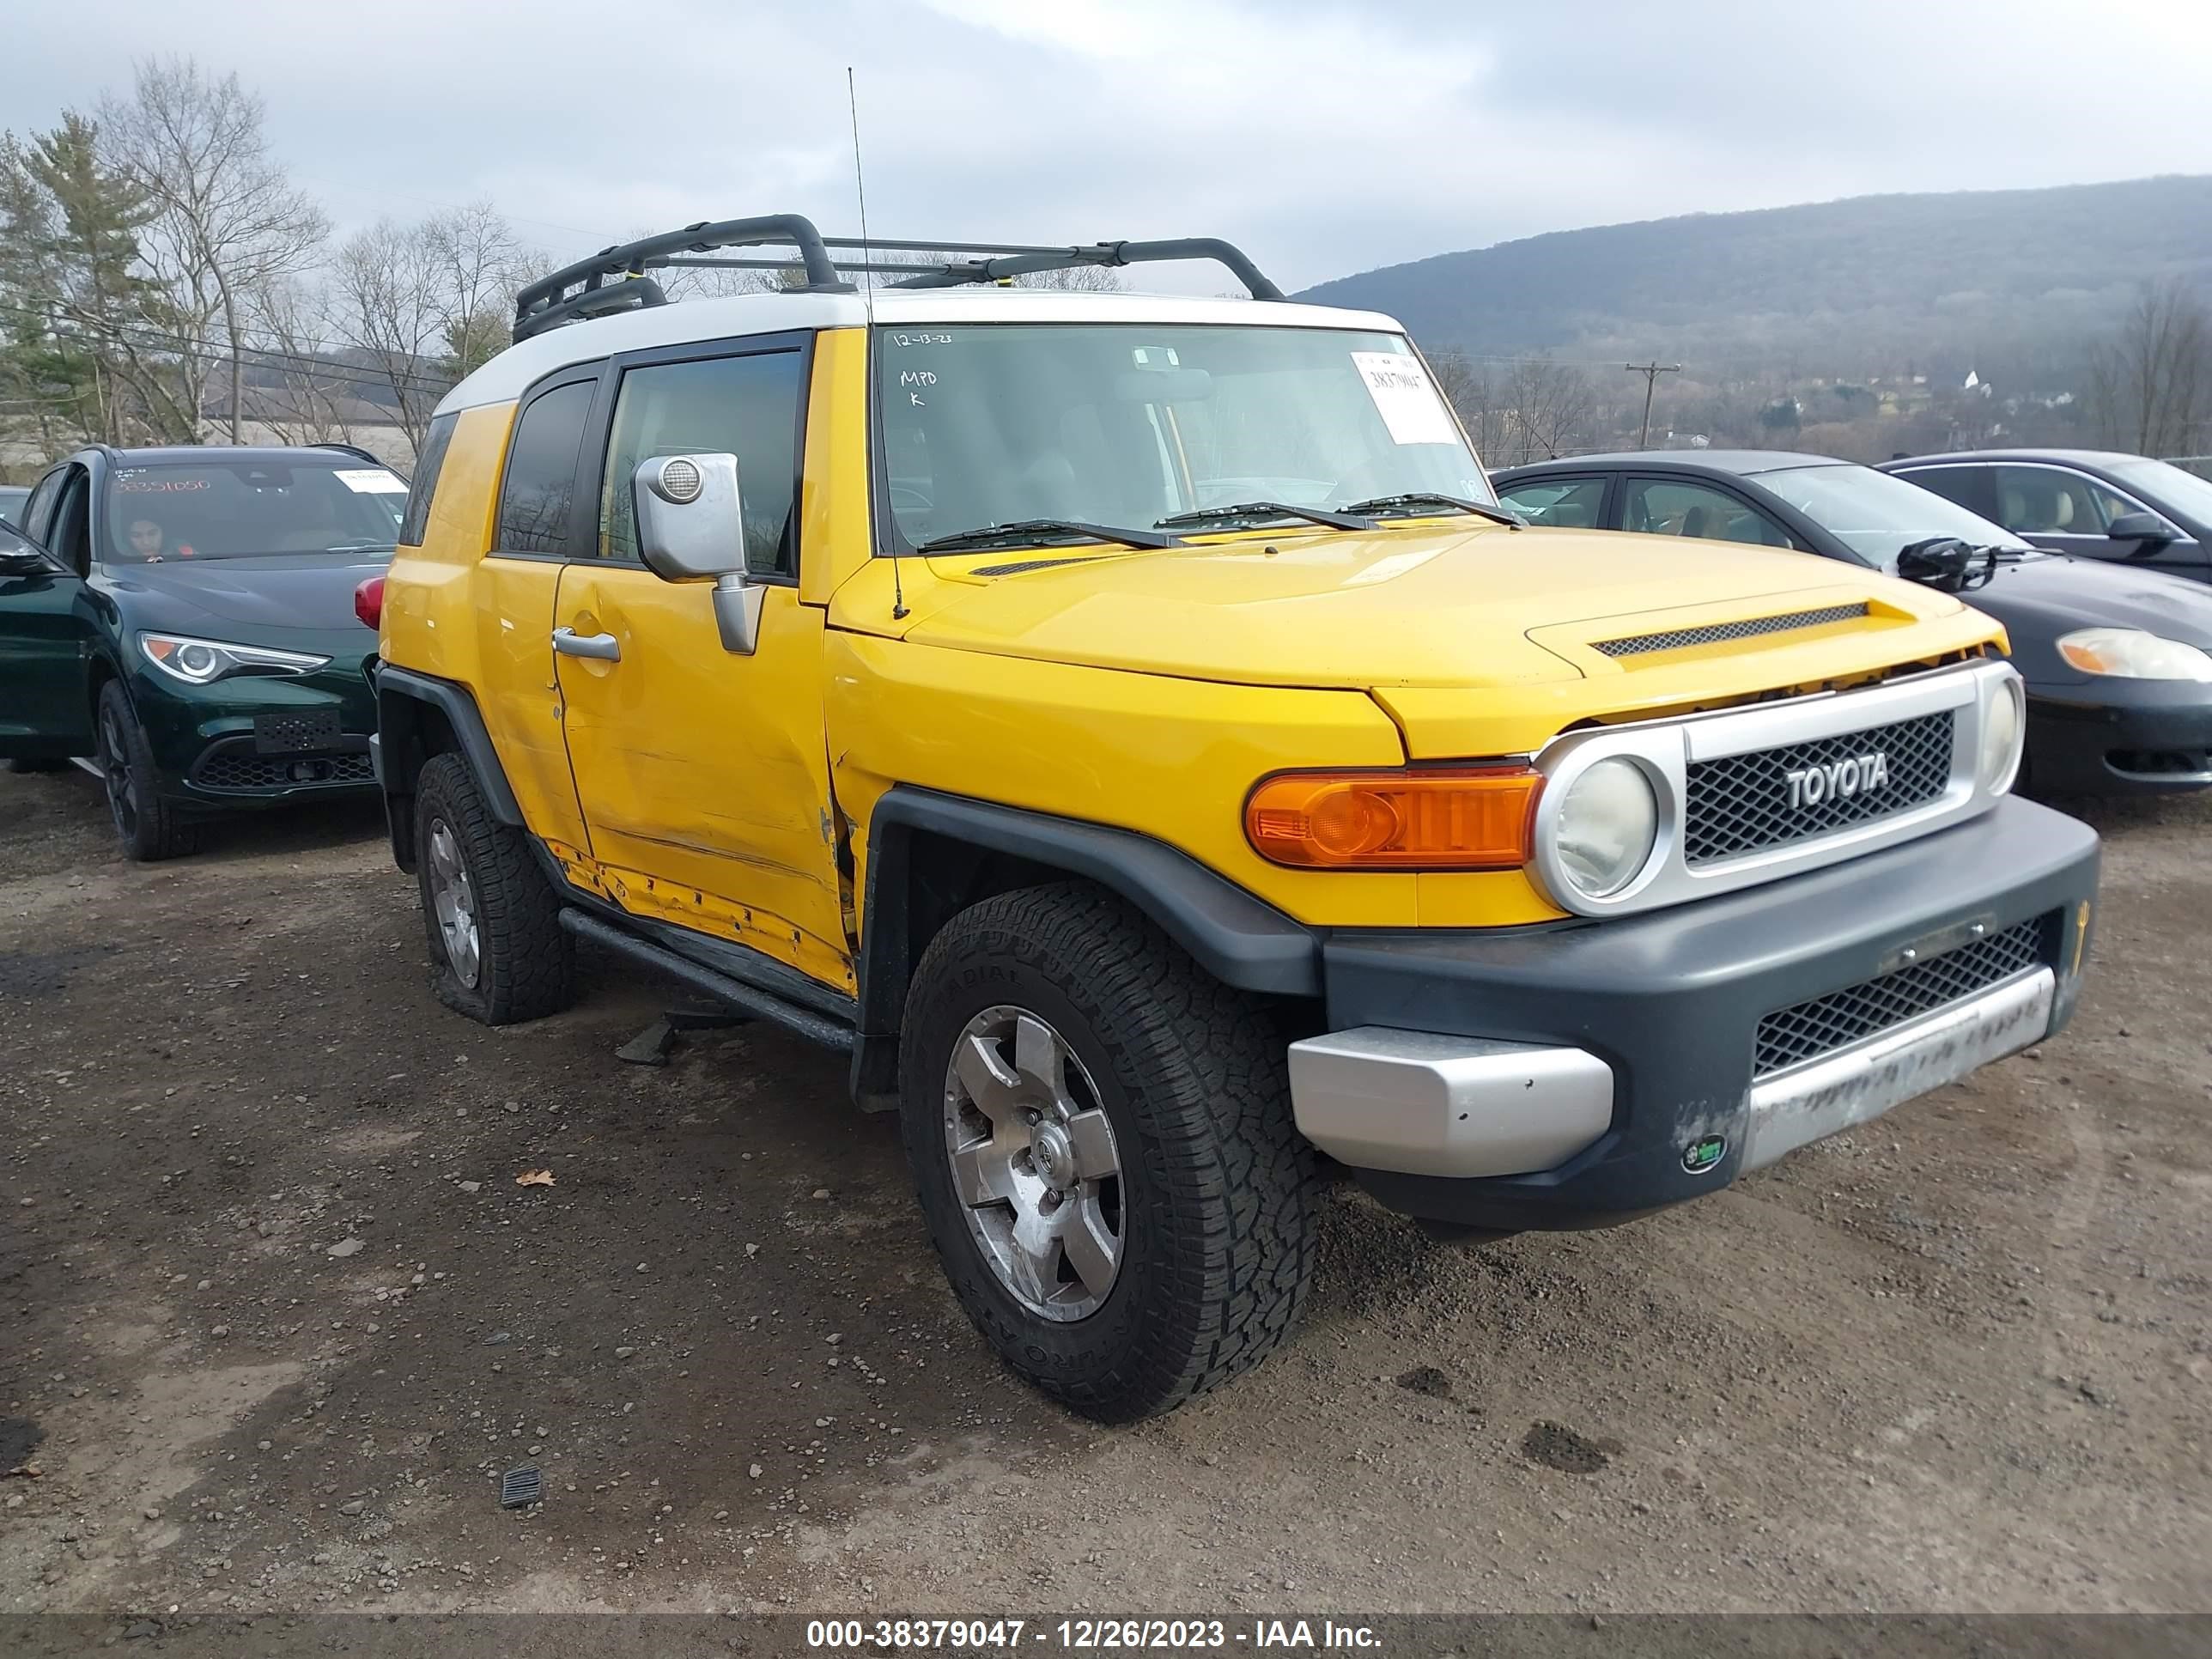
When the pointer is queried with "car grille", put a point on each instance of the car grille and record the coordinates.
(1794, 1035)
(1636, 645)
(237, 766)
(1742, 803)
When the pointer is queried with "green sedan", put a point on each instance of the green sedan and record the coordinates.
(183, 622)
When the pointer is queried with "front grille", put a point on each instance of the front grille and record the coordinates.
(1794, 1035)
(238, 766)
(1637, 645)
(1744, 803)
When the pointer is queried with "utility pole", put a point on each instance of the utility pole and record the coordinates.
(1650, 371)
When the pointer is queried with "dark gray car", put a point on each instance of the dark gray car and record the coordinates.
(2093, 503)
(2119, 662)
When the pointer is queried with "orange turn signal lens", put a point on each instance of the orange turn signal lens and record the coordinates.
(1465, 818)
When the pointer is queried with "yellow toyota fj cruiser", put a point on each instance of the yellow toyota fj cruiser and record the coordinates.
(1130, 727)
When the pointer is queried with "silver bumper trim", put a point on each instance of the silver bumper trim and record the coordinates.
(1822, 1096)
(1422, 1104)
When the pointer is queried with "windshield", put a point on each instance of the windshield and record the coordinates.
(1125, 424)
(2168, 486)
(241, 509)
(1875, 515)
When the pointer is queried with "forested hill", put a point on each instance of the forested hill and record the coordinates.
(2007, 270)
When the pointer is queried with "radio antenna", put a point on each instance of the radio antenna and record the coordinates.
(868, 304)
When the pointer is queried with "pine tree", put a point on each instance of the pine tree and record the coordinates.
(87, 341)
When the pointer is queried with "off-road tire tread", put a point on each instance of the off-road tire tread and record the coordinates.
(164, 831)
(1204, 1068)
(528, 959)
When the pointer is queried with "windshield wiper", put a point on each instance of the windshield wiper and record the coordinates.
(1037, 532)
(1263, 510)
(363, 547)
(1412, 501)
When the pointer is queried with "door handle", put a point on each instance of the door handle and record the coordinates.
(569, 643)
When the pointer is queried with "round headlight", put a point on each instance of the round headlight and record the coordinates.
(2002, 734)
(1606, 827)
(199, 661)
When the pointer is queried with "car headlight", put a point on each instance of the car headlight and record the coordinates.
(2134, 654)
(1605, 827)
(2004, 732)
(199, 661)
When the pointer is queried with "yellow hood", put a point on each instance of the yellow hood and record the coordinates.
(1420, 606)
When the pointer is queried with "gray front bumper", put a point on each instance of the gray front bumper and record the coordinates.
(1462, 1076)
(1417, 1103)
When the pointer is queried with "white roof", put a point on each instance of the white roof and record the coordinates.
(507, 376)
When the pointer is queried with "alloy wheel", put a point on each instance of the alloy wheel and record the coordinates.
(1034, 1163)
(115, 774)
(454, 900)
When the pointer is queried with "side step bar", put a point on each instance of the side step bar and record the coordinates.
(745, 998)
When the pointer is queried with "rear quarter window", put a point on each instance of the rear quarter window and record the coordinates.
(428, 464)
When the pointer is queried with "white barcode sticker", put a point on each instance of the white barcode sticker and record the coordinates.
(375, 481)
(1407, 401)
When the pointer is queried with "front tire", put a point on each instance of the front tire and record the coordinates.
(150, 828)
(498, 952)
(1102, 1139)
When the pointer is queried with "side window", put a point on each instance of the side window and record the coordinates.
(1559, 503)
(1969, 486)
(541, 469)
(2043, 501)
(37, 521)
(1666, 506)
(746, 406)
(416, 519)
(71, 538)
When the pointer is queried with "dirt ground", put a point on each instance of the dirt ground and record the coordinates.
(275, 1315)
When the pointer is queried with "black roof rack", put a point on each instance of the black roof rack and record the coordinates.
(614, 280)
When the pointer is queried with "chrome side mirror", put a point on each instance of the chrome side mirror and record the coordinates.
(690, 526)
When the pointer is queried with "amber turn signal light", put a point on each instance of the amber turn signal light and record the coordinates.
(1462, 819)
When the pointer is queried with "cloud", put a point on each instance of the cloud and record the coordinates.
(1326, 137)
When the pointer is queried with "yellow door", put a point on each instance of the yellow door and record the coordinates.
(703, 775)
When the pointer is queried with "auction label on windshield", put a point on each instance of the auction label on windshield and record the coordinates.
(1408, 403)
(372, 480)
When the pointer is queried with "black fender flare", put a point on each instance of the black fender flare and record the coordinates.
(1236, 937)
(399, 749)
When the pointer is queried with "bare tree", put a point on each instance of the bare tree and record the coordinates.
(1076, 279)
(421, 305)
(1553, 408)
(1532, 409)
(227, 224)
(306, 397)
(481, 265)
(2150, 385)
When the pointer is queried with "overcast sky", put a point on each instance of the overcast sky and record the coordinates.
(1325, 137)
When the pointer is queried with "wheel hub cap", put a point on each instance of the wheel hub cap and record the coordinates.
(1034, 1163)
(1053, 1155)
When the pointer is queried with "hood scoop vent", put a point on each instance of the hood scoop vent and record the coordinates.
(1638, 645)
(1020, 565)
